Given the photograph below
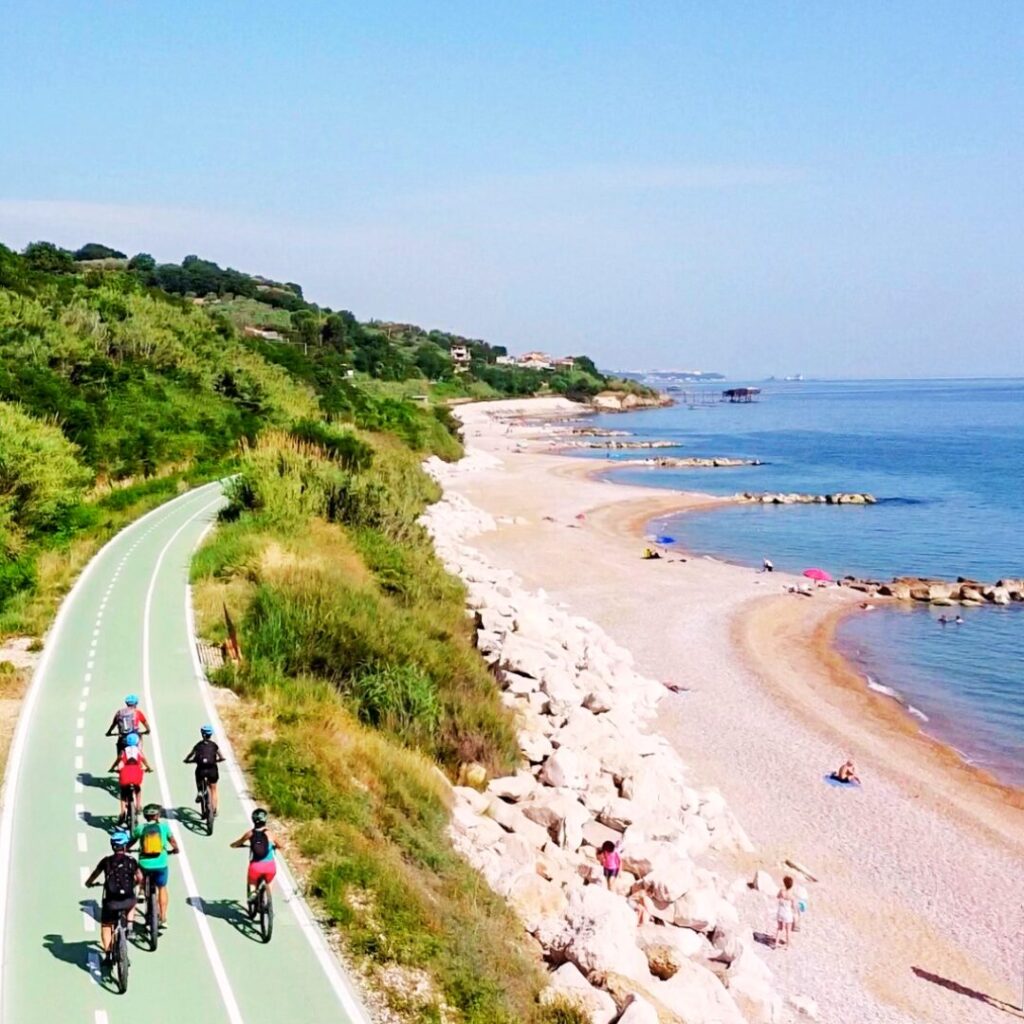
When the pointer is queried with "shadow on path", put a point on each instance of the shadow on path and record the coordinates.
(104, 822)
(231, 911)
(970, 993)
(77, 954)
(190, 819)
(108, 783)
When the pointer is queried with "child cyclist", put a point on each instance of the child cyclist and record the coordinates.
(129, 764)
(262, 845)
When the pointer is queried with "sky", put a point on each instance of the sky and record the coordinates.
(827, 188)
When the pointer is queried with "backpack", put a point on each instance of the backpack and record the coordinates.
(206, 753)
(259, 844)
(119, 880)
(125, 719)
(152, 843)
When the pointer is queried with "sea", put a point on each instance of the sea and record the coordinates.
(945, 459)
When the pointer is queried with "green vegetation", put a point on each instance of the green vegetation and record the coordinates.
(359, 677)
(123, 382)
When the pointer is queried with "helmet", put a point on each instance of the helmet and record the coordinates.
(119, 840)
(132, 739)
(131, 700)
(207, 731)
(151, 811)
(259, 817)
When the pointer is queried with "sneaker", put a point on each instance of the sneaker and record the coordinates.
(198, 799)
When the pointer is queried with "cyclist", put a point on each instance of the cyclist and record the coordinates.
(127, 720)
(121, 875)
(155, 843)
(262, 845)
(206, 755)
(129, 765)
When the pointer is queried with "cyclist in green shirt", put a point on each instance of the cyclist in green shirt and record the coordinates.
(155, 843)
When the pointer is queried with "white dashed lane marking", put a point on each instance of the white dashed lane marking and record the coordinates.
(79, 742)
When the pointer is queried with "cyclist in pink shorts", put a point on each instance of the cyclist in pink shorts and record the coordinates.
(262, 845)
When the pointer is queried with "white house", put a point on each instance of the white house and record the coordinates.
(535, 361)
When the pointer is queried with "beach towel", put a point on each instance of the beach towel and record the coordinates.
(831, 780)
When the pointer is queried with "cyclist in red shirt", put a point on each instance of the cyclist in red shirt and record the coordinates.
(129, 765)
(127, 720)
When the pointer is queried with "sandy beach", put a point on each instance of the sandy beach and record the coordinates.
(917, 914)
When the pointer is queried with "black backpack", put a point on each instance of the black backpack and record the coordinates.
(119, 880)
(259, 844)
(206, 753)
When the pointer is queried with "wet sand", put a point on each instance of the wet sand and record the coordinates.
(917, 912)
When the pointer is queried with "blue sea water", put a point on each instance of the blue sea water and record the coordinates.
(945, 459)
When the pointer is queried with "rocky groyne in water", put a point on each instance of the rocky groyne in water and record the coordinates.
(942, 592)
(695, 462)
(593, 773)
(838, 498)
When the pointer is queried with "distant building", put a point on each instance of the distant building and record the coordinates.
(505, 360)
(263, 332)
(565, 363)
(459, 354)
(535, 361)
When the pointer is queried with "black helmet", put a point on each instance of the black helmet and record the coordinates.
(151, 811)
(259, 817)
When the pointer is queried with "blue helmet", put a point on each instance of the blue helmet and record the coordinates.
(132, 739)
(131, 700)
(119, 840)
(207, 731)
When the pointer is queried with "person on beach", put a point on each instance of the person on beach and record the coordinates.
(768, 567)
(847, 772)
(785, 913)
(608, 858)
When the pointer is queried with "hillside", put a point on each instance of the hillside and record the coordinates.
(361, 689)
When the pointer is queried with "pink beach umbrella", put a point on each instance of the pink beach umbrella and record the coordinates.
(818, 574)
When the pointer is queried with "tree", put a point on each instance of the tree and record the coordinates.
(586, 364)
(307, 326)
(432, 363)
(96, 251)
(143, 262)
(49, 258)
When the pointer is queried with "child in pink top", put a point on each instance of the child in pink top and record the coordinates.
(608, 858)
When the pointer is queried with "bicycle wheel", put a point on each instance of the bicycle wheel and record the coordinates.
(152, 913)
(207, 809)
(121, 964)
(266, 912)
(129, 814)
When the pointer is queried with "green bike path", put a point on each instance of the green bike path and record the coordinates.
(126, 628)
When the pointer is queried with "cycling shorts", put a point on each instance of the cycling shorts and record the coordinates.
(159, 875)
(109, 909)
(209, 772)
(261, 869)
(126, 790)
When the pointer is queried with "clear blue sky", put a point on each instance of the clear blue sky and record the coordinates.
(832, 188)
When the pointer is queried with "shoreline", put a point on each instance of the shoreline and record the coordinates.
(767, 667)
(885, 710)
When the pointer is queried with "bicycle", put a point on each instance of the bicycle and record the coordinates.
(116, 957)
(130, 811)
(261, 903)
(152, 910)
(205, 807)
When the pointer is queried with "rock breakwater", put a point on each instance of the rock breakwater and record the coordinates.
(942, 592)
(776, 498)
(665, 942)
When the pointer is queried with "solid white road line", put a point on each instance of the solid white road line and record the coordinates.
(285, 881)
(23, 729)
(213, 954)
